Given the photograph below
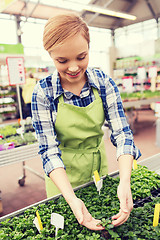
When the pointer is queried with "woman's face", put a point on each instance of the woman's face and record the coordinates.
(71, 59)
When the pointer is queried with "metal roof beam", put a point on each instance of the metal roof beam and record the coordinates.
(25, 6)
(151, 10)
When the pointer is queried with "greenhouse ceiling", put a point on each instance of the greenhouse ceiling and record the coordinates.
(97, 13)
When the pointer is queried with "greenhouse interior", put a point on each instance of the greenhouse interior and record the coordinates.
(108, 160)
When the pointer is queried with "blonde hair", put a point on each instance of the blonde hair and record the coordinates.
(61, 27)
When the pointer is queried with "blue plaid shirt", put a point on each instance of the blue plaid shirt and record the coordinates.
(44, 112)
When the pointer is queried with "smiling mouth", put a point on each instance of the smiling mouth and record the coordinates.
(73, 74)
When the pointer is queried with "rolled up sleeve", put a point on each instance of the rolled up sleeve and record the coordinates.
(121, 136)
(43, 122)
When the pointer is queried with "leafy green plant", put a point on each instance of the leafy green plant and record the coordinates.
(140, 95)
(10, 134)
(8, 131)
(143, 181)
(28, 138)
(139, 225)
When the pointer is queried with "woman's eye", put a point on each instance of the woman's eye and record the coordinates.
(81, 58)
(62, 61)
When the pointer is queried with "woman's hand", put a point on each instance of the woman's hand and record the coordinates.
(59, 177)
(126, 204)
(83, 216)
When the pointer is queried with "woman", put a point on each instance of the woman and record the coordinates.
(27, 90)
(69, 109)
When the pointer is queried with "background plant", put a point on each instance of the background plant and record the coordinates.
(138, 226)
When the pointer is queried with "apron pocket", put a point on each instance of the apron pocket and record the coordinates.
(78, 167)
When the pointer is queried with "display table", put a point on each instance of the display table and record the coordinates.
(152, 163)
(20, 154)
(139, 103)
(133, 106)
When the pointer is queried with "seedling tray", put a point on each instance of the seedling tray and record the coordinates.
(154, 194)
(19, 225)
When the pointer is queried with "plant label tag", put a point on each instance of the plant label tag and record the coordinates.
(39, 220)
(135, 164)
(156, 215)
(96, 176)
(35, 221)
(58, 221)
(99, 185)
(20, 131)
(98, 182)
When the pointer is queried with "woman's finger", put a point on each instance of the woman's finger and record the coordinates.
(117, 215)
(93, 224)
(121, 217)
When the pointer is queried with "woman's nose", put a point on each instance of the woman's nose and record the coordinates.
(73, 68)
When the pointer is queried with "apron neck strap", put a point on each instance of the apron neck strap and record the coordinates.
(61, 100)
(95, 91)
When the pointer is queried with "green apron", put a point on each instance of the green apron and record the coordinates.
(79, 129)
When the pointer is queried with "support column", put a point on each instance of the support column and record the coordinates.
(112, 54)
(19, 40)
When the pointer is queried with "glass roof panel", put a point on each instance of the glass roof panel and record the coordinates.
(75, 5)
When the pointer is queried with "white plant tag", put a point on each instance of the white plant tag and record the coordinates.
(58, 221)
(35, 221)
(99, 185)
(20, 131)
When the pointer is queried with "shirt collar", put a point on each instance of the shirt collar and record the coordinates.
(92, 78)
(91, 82)
(56, 84)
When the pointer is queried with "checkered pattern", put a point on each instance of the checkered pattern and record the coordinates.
(44, 113)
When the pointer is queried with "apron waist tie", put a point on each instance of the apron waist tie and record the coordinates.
(95, 164)
(79, 150)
